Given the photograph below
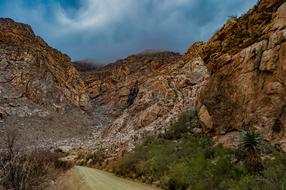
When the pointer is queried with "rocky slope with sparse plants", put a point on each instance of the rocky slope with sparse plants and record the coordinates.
(247, 85)
(38, 86)
(234, 82)
(94, 115)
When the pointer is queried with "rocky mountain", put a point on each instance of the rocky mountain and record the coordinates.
(247, 86)
(143, 93)
(37, 83)
(35, 70)
(235, 81)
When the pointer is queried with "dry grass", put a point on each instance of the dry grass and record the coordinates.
(28, 171)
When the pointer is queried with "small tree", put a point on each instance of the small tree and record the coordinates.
(249, 143)
(11, 138)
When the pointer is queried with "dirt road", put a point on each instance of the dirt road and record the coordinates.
(83, 178)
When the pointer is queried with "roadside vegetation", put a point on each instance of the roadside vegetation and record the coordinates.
(31, 170)
(183, 159)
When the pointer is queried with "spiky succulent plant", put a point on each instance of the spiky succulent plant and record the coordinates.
(250, 140)
(249, 143)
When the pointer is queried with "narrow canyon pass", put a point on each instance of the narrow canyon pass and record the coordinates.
(234, 82)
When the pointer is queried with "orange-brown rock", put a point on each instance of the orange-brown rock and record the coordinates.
(167, 86)
(245, 91)
(236, 81)
(247, 86)
(32, 69)
(229, 140)
(41, 92)
(205, 118)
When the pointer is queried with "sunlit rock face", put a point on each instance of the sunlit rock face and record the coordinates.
(38, 86)
(235, 81)
(33, 70)
(247, 62)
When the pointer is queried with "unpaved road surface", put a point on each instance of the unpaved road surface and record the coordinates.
(100, 180)
(83, 178)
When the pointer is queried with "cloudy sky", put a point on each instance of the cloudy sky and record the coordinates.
(105, 30)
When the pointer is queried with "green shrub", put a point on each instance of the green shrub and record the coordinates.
(275, 172)
(250, 142)
(187, 121)
(130, 166)
(180, 160)
(179, 177)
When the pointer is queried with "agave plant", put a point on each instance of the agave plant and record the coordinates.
(249, 143)
(250, 140)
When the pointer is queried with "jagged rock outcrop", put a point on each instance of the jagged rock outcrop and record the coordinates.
(161, 86)
(31, 69)
(245, 90)
(247, 62)
(37, 83)
(235, 81)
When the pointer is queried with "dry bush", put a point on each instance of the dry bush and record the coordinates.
(63, 164)
(91, 158)
(27, 171)
(11, 138)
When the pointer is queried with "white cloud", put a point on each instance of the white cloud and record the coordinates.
(96, 14)
(109, 29)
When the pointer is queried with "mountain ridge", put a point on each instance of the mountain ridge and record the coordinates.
(235, 81)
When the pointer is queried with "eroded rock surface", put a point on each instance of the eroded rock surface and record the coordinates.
(235, 81)
(247, 62)
(40, 90)
(167, 86)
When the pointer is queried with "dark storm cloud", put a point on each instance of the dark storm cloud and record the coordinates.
(105, 30)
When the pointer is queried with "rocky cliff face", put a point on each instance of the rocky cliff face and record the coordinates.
(144, 93)
(235, 81)
(245, 90)
(31, 69)
(247, 86)
(36, 81)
